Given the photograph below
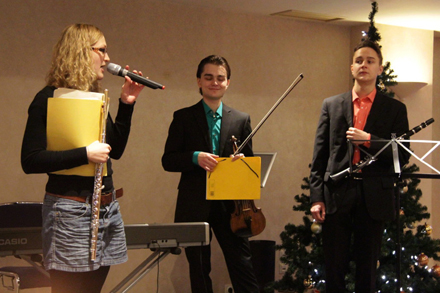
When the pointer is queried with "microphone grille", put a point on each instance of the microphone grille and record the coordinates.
(113, 68)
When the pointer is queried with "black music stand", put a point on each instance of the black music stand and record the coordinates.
(407, 175)
(23, 215)
(263, 251)
(394, 142)
(267, 160)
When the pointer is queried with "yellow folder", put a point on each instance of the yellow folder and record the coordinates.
(238, 180)
(73, 123)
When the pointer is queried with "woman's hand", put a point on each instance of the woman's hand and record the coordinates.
(130, 89)
(98, 152)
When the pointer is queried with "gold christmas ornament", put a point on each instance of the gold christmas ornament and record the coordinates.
(402, 213)
(316, 227)
(428, 229)
(308, 283)
(405, 189)
(423, 259)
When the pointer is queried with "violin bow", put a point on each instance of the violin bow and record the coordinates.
(289, 89)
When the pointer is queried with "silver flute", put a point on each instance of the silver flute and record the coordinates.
(97, 188)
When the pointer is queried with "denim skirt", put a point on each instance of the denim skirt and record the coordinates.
(66, 235)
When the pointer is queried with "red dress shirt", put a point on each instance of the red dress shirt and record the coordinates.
(361, 109)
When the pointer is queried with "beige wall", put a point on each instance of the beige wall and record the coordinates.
(166, 41)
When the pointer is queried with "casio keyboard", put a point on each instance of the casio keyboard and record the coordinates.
(162, 239)
(27, 240)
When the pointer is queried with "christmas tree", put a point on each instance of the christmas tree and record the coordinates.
(387, 78)
(302, 251)
(301, 245)
(302, 248)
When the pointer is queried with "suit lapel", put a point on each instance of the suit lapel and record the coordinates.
(347, 108)
(200, 117)
(226, 125)
(375, 112)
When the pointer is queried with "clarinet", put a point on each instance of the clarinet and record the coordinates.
(97, 188)
(369, 159)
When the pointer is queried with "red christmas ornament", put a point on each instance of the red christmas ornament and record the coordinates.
(423, 259)
(436, 271)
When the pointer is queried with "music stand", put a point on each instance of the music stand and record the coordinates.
(394, 142)
(410, 175)
(267, 160)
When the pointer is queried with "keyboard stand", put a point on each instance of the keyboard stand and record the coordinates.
(138, 273)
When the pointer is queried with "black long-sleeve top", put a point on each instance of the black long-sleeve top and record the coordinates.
(35, 158)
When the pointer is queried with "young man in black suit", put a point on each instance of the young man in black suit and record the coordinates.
(197, 135)
(355, 206)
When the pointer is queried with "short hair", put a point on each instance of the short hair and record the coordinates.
(72, 63)
(216, 60)
(367, 43)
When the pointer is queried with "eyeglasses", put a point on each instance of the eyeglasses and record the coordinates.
(102, 50)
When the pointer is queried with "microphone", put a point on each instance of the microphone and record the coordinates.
(118, 70)
(416, 129)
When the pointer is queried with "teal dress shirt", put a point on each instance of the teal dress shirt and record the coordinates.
(214, 124)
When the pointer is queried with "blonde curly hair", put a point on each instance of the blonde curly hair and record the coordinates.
(72, 64)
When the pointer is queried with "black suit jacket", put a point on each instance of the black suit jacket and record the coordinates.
(331, 154)
(188, 133)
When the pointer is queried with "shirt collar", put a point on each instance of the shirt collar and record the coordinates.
(209, 111)
(370, 96)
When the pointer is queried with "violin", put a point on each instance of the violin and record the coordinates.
(247, 220)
